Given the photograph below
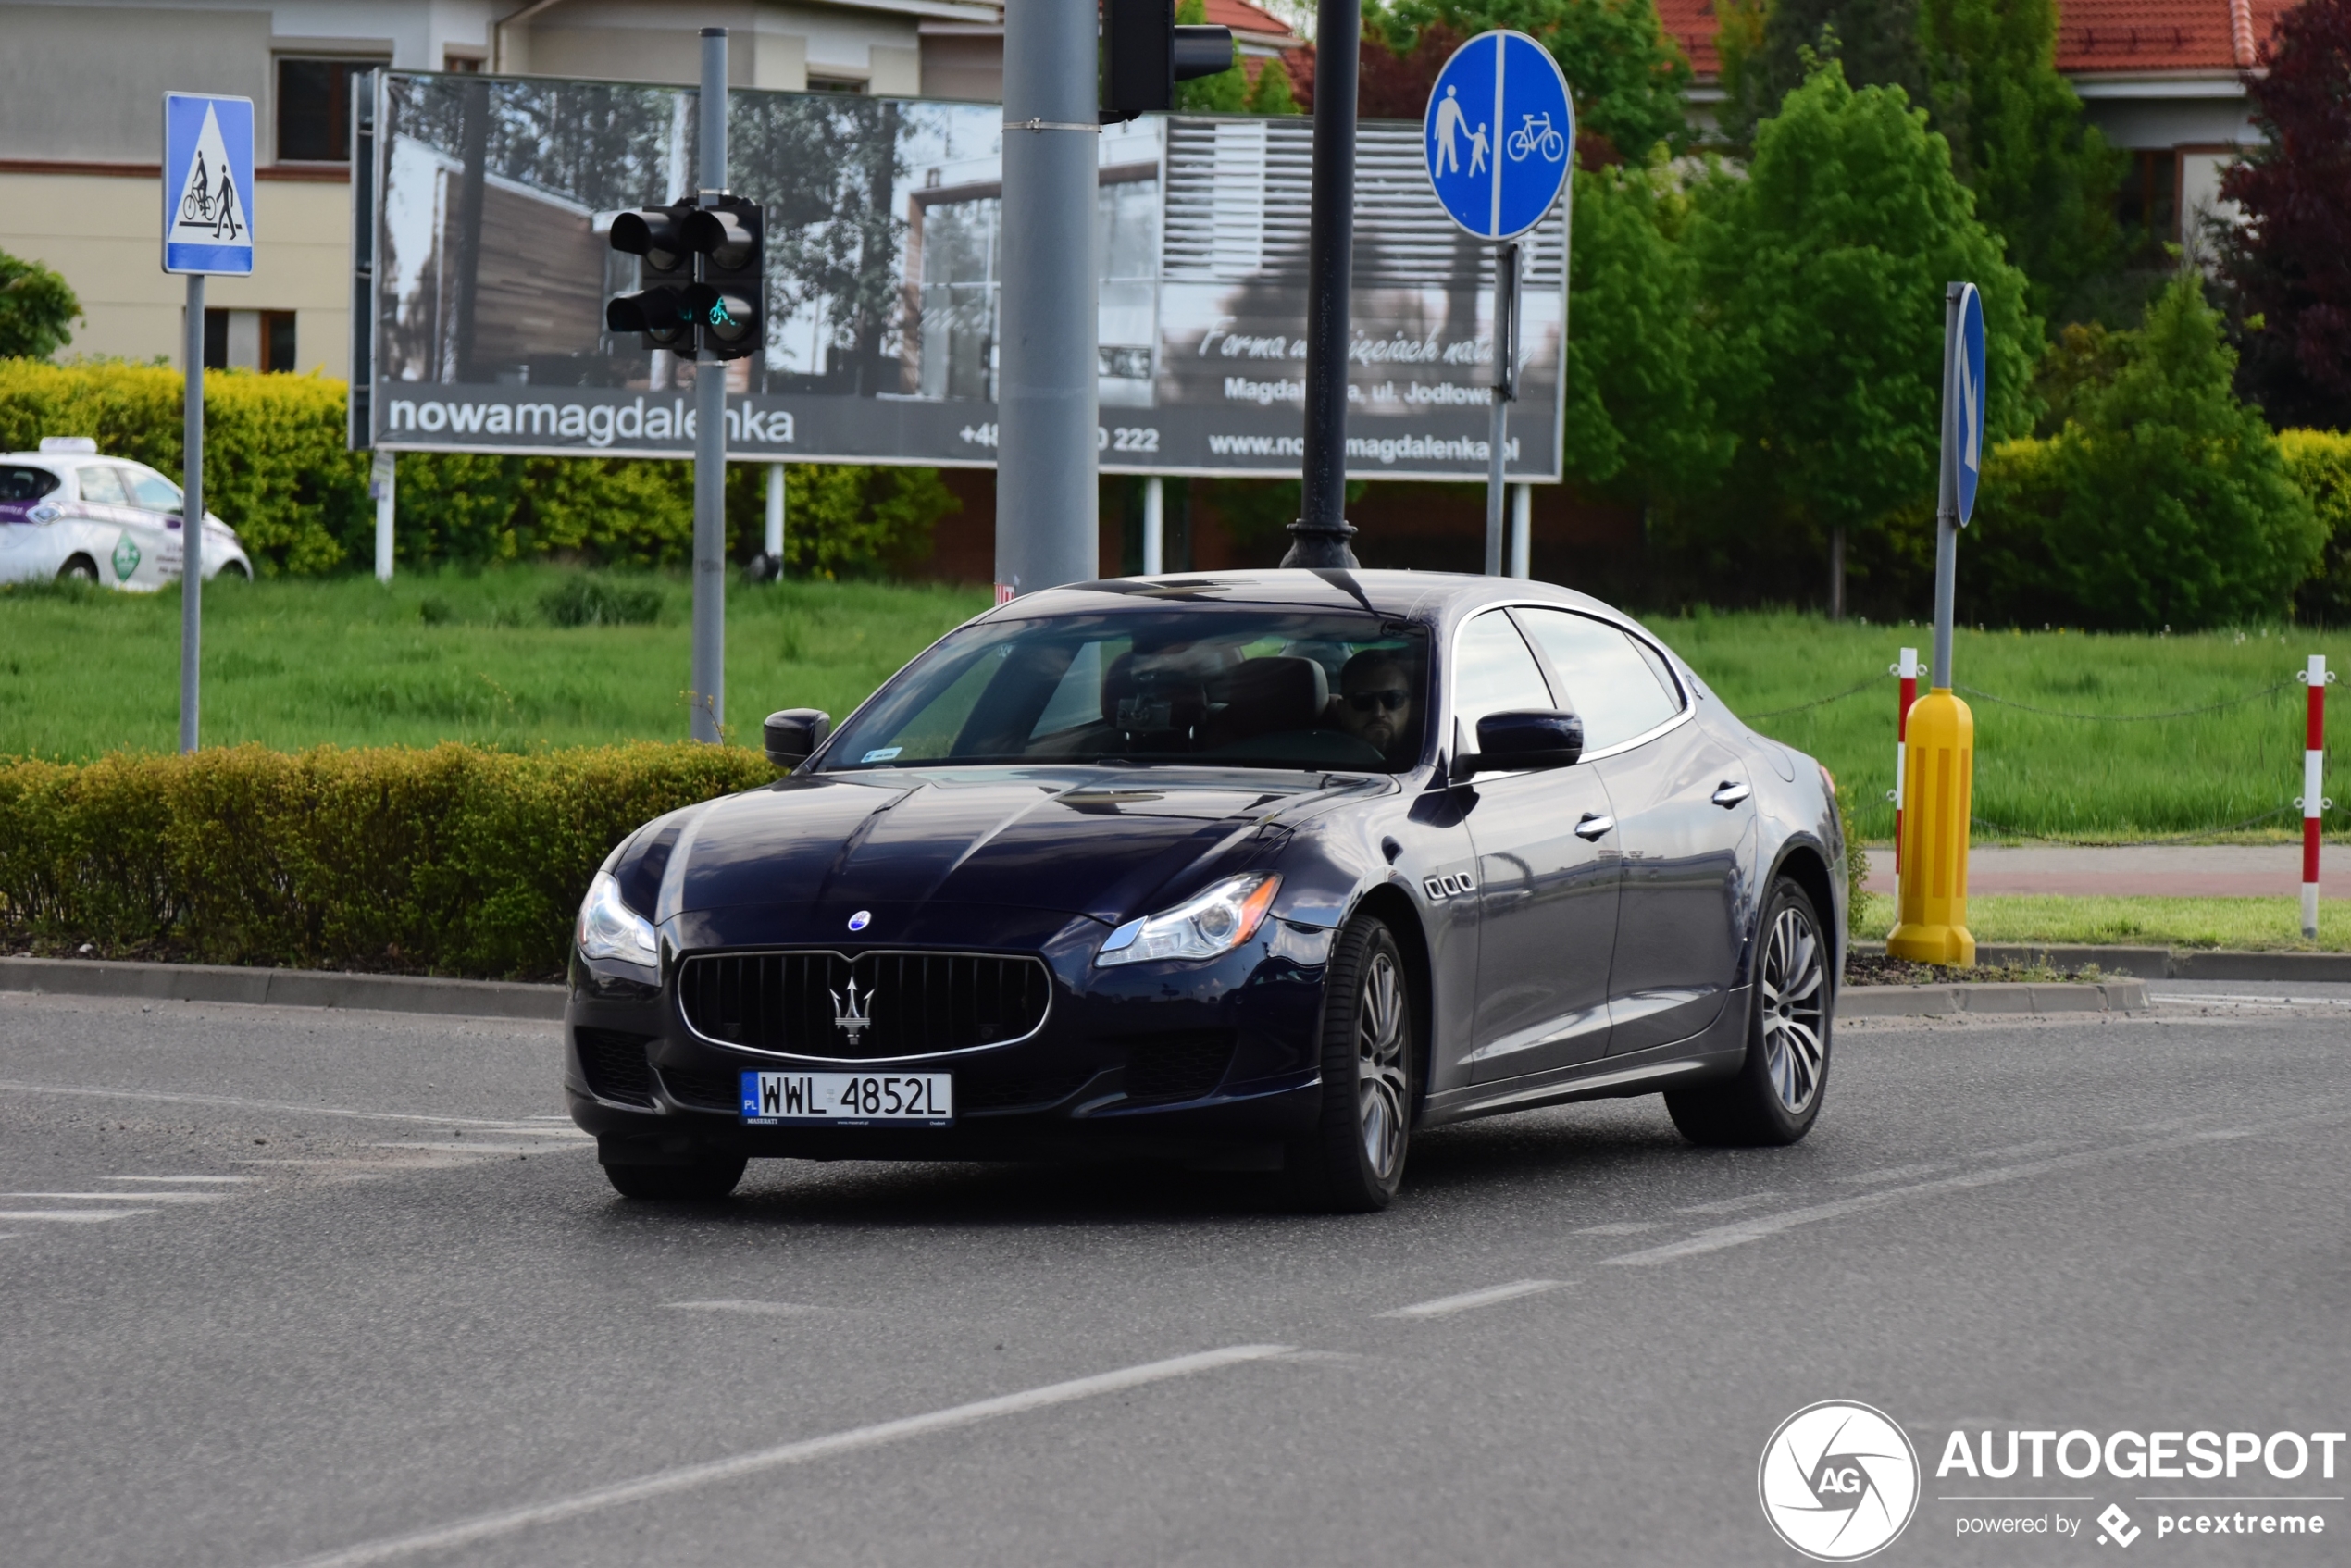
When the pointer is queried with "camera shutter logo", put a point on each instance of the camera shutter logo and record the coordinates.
(1839, 1481)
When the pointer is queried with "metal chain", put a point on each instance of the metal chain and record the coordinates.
(2006, 832)
(2127, 719)
(1820, 701)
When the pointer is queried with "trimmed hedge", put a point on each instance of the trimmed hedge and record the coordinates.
(276, 470)
(2321, 463)
(451, 861)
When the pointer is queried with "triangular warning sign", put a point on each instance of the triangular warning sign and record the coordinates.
(211, 210)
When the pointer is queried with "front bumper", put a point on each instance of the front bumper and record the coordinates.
(1143, 1060)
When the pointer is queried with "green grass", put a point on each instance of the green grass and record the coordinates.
(2266, 924)
(446, 656)
(478, 658)
(2043, 775)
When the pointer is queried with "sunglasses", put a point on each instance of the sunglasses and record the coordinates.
(1365, 701)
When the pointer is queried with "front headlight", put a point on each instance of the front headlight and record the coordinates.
(1210, 923)
(609, 928)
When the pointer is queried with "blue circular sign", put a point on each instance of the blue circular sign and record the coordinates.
(1499, 136)
(1966, 398)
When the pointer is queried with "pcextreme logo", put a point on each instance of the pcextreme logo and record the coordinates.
(1839, 1481)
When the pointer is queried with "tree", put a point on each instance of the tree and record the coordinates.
(2290, 261)
(35, 307)
(1625, 72)
(1823, 274)
(1271, 93)
(2164, 502)
(1770, 47)
(2044, 180)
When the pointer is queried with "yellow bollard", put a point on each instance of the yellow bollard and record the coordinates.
(1939, 775)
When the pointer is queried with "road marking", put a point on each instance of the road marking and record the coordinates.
(131, 1197)
(1730, 1205)
(1618, 1227)
(181, 1178)
(73, 1216)
(11, 1086)
(485, 1148)
(1738, 1232)
(1486, 1298)
(664, 1483)
(771, 1309)
(1896, 1172)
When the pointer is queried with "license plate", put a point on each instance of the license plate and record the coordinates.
(848, 1099)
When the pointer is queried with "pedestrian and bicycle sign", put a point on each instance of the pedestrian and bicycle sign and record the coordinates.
(1966, 398)
(1499, 136)
(207, 184)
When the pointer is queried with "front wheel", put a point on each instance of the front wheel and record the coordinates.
(80, 569)
(706, 1182)
(1776, 1096)
(1354, 1160)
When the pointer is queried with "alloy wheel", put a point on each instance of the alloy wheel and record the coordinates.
(1380, 1089)
(1795, 987)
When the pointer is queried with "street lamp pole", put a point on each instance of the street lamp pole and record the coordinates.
(1321, 533)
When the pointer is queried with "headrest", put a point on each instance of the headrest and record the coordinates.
(1263, 696)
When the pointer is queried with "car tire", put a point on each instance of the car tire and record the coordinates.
(1353, 1162)
(704, 1182)
(236, 569)
(82, 568)
(1776, 1096)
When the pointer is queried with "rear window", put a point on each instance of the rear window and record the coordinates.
(25, 484)
(1228, 688)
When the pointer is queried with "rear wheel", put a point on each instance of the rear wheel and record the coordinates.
(1776, 1096)
(1354, 1160)
(82, 568)
(704, 1182)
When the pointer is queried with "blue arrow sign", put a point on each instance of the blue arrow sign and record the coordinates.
(207, 184)
(1967, 397)
(1499, 136)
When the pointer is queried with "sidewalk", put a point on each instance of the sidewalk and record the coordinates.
(2143, 870)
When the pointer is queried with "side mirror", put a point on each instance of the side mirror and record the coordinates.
(1531, 738)
(793, 734)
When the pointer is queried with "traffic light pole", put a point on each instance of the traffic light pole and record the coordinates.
(710, 433)
(191, 519)
(1320, 535)
(1047, 419)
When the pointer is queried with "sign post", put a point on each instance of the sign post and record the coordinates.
(1939, 768)
(1497, 138)
(207, 228)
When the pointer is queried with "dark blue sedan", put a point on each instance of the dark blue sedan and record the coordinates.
(1263, 871)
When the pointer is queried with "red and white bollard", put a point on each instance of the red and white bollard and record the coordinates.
(2314, 803)
(1908, 670)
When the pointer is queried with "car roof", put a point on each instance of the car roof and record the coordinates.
(60, 461)
(1409, 595)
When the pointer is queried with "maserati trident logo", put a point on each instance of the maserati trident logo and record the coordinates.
(851, 1018)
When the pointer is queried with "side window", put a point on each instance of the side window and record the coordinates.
(1497, 674)
(151, 490)
(26, 485)
(1619, 688)
(102, 485)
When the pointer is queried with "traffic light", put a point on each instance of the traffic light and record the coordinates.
(661, 311)
(1145, 54)
(729, 300)
(702, 269)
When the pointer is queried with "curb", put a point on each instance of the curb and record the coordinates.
(2163, 963)
(2008, 998)
(282, 988)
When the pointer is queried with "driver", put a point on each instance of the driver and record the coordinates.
(1375, 700)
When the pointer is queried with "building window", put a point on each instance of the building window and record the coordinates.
(250, 340)
(835, 84)
(2148, 204)
(314, 109)
(452, 59)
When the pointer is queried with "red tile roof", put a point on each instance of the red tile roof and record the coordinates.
(2095, 37)
(1244, 18)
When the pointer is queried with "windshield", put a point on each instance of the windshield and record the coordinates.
(1233, 688)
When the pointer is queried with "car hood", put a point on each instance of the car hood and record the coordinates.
(1096, 842)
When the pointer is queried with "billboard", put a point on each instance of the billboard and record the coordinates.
(488, 264)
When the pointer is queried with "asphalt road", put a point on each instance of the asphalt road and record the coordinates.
(363, 1298)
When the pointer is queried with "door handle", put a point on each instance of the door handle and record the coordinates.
(1731, 793)
(1595, 827)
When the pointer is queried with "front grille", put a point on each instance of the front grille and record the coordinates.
(614, 1065)
(1181, 1065)
(904, 1003)
(705, 1092)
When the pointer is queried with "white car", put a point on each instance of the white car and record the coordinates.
(67, 512)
